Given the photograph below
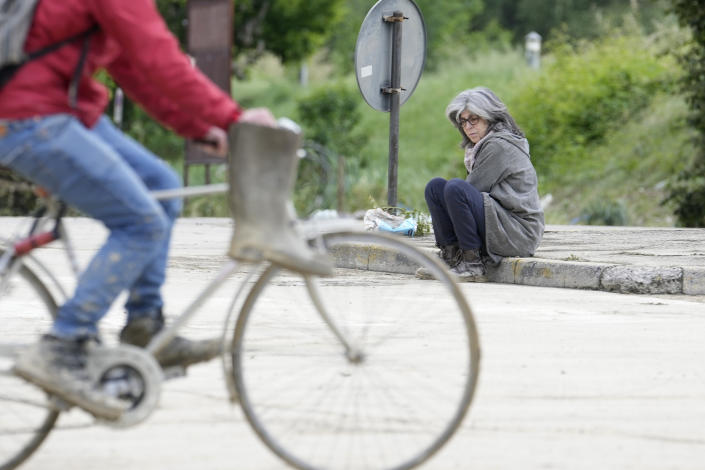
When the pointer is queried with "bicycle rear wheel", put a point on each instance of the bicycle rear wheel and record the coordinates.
(26, 310)
(383, 388)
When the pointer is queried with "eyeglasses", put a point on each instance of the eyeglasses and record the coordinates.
(473, 120)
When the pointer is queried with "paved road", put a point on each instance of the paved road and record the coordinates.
(570, 379)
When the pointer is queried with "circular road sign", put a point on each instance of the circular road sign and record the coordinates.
(373, 52)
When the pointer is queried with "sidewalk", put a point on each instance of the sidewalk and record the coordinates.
(641, 260)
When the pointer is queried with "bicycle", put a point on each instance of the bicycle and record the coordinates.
(325, 378)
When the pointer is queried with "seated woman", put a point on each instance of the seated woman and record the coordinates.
(495, 212)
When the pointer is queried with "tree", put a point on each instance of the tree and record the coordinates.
(341, 42)
(447, 26)
(175, 14)
(688, 189)
(289, 29)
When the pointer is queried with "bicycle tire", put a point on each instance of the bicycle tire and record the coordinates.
(315, 411)
(25, 415)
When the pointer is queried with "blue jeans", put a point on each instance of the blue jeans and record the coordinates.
(106, 175)
(457, 213)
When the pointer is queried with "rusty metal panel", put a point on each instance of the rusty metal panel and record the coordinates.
(210, 40)
(210, 23)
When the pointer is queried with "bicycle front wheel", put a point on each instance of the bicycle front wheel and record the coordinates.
(26, 310)
(364, 370)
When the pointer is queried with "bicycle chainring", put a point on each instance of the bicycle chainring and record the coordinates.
(129, 373)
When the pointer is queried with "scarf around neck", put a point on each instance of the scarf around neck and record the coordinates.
(470, 152)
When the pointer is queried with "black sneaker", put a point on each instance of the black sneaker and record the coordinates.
(180, 352)
(59, 366)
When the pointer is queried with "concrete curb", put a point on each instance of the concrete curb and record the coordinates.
(542, 272)
(613, 259)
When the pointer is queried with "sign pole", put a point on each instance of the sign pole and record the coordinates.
(395, 93)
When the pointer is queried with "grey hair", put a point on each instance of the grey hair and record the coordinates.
(482, 102)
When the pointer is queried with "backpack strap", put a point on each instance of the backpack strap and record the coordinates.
(9, 71)
(57, 45)
(76, 78)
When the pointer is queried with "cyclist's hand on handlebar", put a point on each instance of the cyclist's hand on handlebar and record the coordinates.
(214, 142)
(261, 116)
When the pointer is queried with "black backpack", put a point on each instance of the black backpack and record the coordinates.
(15, 20)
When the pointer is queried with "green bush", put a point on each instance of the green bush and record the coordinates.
(687, 192)
(330, 116)
(583, 94)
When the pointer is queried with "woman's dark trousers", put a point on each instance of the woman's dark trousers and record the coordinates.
(457, 212)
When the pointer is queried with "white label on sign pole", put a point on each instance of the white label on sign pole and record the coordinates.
(366, 71)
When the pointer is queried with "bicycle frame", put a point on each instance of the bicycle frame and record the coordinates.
(37, 237)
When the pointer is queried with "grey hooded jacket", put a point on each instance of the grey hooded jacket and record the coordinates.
(503, 173)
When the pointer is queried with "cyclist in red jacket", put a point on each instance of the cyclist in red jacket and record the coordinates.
(53, 132)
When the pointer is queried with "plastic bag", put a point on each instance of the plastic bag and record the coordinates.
(378, 219)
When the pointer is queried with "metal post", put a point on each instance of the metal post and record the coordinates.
(395, 94)
(118, 104)
(341, 183)
(533, 50)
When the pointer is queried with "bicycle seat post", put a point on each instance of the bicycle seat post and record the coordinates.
(62, 234)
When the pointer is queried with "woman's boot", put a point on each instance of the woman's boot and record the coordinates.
(450, 254)
(471, 268)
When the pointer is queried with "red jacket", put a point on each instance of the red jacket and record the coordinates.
(138, 51)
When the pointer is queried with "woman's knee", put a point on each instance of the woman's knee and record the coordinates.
(434, 188)
(458, 191)
(454, 188)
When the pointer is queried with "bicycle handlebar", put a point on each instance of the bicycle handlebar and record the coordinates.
(190, 191)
